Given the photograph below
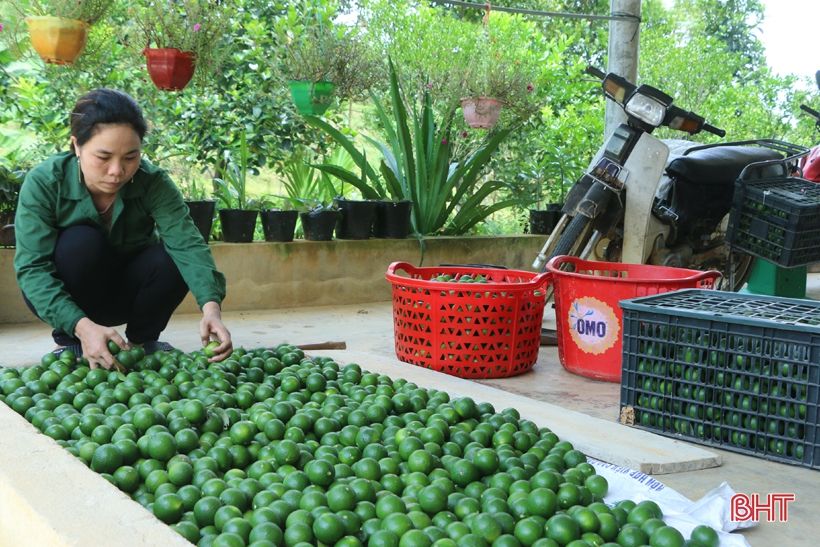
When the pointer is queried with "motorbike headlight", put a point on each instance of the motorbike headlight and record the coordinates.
(645, 109)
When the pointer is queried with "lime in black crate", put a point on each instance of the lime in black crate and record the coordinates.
(777, 219)
(735, 371)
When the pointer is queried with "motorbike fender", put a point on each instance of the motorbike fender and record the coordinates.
(576, 194)
(645, 166)
(581, 186)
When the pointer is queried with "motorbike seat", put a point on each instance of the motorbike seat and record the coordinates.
(719, 165)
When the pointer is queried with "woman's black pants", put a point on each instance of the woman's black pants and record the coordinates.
(140, 290)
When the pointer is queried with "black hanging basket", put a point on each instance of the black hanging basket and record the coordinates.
(355, 218)
(319, 225)
(392, 219)
(543, 221)
(202, 213)
(279, 225)
(238, 225)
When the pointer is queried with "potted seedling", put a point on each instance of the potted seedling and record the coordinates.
(13, 168)
(200, 207)
(278, 223)
(312, 193)
(550, 192)
(319, 220)
(10, 181)
(237, 211)
(388, 218)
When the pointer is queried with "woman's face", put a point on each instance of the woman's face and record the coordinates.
(110, 158)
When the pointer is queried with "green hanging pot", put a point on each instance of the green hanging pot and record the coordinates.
(311, 98)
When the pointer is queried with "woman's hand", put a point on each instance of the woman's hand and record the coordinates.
(212, 328)
(94, 339)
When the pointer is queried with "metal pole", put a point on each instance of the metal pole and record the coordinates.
(624, 36)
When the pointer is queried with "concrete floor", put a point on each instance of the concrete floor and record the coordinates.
(367, 328)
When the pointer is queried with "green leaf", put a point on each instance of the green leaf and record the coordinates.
(350, 178)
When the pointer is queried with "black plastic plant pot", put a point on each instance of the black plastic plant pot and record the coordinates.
(355, 219)
(392, 219)
(238, 225)
(202, 213)
(279, 225)
(542, 222)
(7, 236)
(319, 225)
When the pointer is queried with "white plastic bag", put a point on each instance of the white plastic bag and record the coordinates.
(678, 511)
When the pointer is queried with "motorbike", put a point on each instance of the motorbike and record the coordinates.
(644, 200)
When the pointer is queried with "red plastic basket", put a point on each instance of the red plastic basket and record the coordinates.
(587, 314)
(470, 330)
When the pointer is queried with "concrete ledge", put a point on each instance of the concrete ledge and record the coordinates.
(306, 273)
(48, 497)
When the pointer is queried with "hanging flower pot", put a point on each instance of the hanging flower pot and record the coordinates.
(56, 39)
(170, 69)
(481, 112)
(311, 98)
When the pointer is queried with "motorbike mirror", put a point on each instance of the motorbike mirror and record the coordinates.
(617, 88)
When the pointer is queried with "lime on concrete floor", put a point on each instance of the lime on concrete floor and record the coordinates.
(367, 330)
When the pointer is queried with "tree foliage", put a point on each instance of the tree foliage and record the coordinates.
(719, 74)
(705, 53)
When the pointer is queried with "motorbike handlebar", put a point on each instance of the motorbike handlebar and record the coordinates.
(714, 130)
(810, 110)
(598, 73)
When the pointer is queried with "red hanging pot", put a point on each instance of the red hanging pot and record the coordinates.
(481, 112)
(170, 69)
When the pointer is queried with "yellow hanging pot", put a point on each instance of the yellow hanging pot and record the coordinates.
(56, 39)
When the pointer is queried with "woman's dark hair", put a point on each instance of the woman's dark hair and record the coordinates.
(105, 106)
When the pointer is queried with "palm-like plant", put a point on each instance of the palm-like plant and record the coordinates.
(448, 196)
(230, 187)
(304, 184)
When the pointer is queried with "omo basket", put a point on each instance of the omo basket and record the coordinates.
(587, 313)
(470, 330)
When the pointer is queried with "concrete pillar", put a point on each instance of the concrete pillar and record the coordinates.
(624, 37)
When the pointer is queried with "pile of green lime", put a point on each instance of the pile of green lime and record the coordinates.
(735, 390)
(272, 447)
(460, 278)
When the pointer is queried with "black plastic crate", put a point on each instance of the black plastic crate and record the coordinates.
(777, 219)
(735, 371)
